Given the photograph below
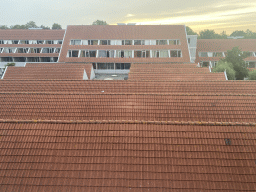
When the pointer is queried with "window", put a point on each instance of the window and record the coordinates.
(75, 42)
(126, 42)
(73, 53)
(48, 42)
(139, 42)
(1, 42)
(57, 50)
(143, 53)
(203, 54)
(164, 53)
(48, 50)
(124, 53)
(87, 53)
(176, 41)
(35, 50)
(161, 42)
(106, 66)
(175, 53)
(92, 42)
(104, 42)
(122, 66)
(39, 42)
(32, 42)
(15, 41)
(24, 42)
(156, 53)
(118, 42)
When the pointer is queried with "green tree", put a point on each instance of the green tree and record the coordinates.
(190, 31)
(222, 66)
(31, 24)
(44, 27)
(207, 34)
(18, 27)
(238, 33)
(236, 58)
(99, 22)
(56, 26)
(252, 75)
(4, 27)
(223, 35)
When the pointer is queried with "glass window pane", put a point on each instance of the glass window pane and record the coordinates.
(174, 53)
(147, 42)
(164, 53)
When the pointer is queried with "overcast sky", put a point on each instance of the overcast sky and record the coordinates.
(227, 15)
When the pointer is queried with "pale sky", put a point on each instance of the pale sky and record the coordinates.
(227, 15)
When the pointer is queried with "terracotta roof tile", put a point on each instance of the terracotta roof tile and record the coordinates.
(126, 157)
(80, 86)
(23, 34)
(176, 76)
(48, 71)
(222, 45)
(102, 106)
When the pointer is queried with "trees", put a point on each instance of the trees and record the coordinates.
(222, 66)
(190, 31)
(210, 34)
(252, 75)
(4, 27)
(56, 26)
(99, 22)
(236, 58)
(207, 34)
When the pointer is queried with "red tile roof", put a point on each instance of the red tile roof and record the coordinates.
(81, 86)
(48, 71)
(24, 34)
(132, 106)
(126, 157)
(223, 45)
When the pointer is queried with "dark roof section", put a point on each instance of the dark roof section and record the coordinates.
(25, 34)
(126, 157)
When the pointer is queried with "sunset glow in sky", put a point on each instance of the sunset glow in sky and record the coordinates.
(220, 15)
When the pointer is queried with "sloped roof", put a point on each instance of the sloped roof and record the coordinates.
(81, 86)
(48, 71)
(25, 34)
(176, 76)
(223, 45)
(132, 106)
(126, 157)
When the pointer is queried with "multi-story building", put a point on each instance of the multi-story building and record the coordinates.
(210, 51)
(35, 45)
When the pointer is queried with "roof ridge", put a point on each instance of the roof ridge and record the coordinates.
(203, 123)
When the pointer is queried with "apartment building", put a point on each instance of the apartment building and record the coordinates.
(210, 51)
(35, 45)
